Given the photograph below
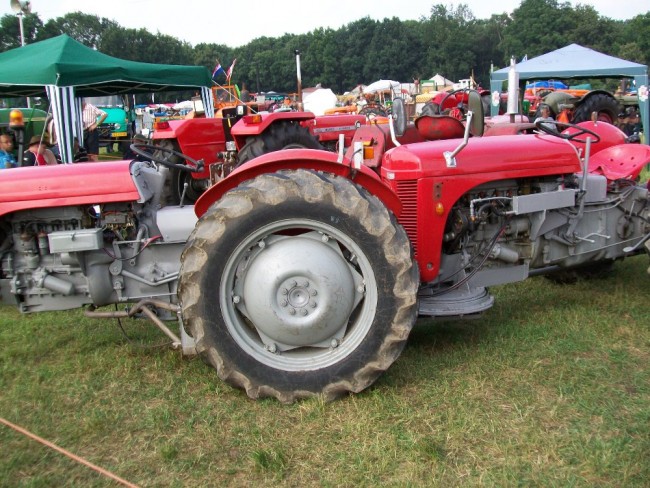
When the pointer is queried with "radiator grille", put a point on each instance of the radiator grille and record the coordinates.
(407, 191)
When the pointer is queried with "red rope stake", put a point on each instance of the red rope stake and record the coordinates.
(68, 453)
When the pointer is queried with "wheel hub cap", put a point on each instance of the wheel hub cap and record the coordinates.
(298, 291)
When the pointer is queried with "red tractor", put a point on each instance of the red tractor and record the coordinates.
(302, 272)
(239, 135)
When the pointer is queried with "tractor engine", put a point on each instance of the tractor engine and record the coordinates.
(67, 257)
(504, 231)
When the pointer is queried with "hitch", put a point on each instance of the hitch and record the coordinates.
(185, 342)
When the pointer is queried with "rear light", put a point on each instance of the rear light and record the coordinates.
(16, 119)
(252, 119)
(368, 150)
(162, 125)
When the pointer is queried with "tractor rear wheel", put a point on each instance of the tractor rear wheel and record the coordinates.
(281, 135)
(297, 284)
(604, 105)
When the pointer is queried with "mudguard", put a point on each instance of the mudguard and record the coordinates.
(253, 125)
(609, 134)
(314, 159)
(622, 161)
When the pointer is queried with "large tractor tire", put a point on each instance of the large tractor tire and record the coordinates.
(283, 135)
(604, 105)
(297, 284)
(178, 178)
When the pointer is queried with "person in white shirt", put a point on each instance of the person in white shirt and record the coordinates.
(92, 118)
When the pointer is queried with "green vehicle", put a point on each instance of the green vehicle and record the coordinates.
(34, 124)
(118, 126)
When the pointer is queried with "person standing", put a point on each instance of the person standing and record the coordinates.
(244, 94)
(92, 118)
(38, 154)
(7, 159)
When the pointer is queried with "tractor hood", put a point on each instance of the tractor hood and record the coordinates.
(518, 155)
(66, 184)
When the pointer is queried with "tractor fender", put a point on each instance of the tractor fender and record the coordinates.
(609, 134)
(622, 161)
(254, 125)
(313, 159)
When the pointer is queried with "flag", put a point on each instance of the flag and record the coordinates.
(232, 67)
(217, 69)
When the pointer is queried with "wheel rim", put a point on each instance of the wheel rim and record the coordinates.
(298, 295)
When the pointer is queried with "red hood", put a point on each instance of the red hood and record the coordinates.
(65, 184)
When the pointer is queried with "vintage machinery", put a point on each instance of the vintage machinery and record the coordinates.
(302, 271)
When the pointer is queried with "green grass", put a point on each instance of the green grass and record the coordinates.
(551, 387)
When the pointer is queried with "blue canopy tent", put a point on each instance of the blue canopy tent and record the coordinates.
(575, 61)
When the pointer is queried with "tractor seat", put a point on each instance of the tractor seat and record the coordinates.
(437, 127)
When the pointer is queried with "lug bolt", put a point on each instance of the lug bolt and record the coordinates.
(313, 292)
(325, 238)
(313, 304)
(293, 283)
(292, 311)
(236, 299)
(284, 303)
(284, 291)
(334, 343)
(261, 244)
(305, 283)
(304, 311)
(272, 348)
(360, 288)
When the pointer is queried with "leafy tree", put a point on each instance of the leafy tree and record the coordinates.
(142, 45)
(85, 28)
(538, 26)
(636, 39)
(450, 33)
(10, 30)
(450, 41)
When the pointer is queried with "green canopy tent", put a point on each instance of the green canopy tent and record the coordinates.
(65, 70)
(575, 61)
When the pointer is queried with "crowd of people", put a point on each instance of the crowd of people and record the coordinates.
(629, 122)
(43, 149)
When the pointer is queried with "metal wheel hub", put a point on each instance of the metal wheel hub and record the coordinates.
(298, 291)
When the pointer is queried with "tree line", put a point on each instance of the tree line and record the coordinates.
(449, 41)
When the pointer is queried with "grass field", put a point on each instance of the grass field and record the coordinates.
(551, 387)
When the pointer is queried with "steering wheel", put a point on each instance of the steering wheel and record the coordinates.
(449, 94)
(573, 136)
(148, 150)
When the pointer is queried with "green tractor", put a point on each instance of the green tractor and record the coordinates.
(118, 126)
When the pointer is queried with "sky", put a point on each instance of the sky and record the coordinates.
(237, 23)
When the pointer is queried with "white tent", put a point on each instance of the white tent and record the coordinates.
(382, 86)
(319, 100)
(184, 105)
(440, 81)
